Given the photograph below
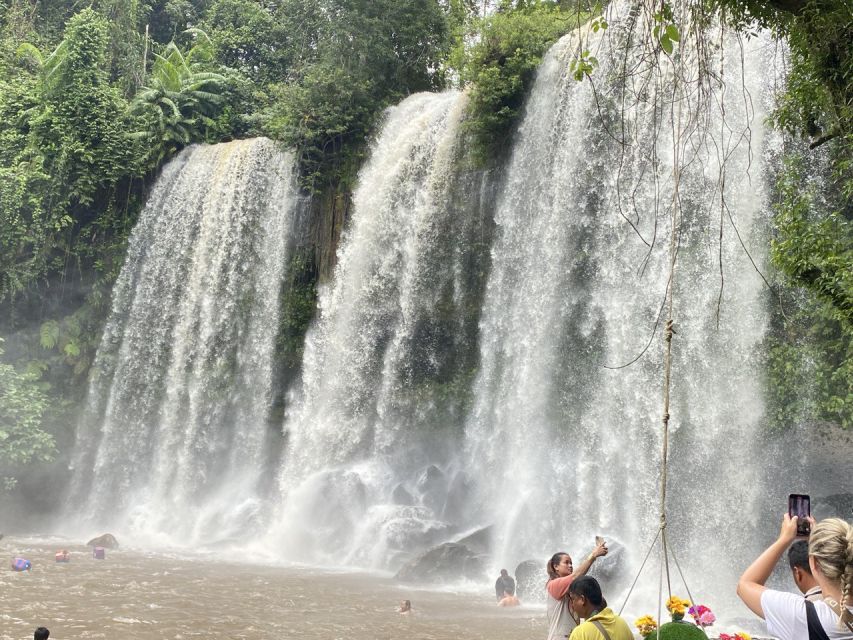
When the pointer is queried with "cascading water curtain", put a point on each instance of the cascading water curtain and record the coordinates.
(365, 475)
(173, 439)
(600, 171)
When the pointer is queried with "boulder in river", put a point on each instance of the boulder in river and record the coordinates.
(479, 541)
(448, 562)
(530, 579)
(107, 541)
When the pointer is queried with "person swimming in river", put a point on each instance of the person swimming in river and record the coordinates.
(405, 607)
(509, 598)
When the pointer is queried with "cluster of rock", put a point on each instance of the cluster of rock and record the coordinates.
(469, 559)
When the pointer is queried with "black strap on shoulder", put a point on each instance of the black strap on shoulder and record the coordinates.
(816, 631)
(604, 633)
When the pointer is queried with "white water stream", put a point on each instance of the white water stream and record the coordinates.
(580, 269)
(365, 425)
(173, 441)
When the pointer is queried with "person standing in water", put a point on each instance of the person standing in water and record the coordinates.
(504, 584)
(561, 574)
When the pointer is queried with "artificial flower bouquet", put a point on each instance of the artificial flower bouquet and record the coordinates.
(676, 607)
(645, 625)
(702, 615)
(679, 629)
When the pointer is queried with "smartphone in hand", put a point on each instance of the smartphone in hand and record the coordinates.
(799, 504)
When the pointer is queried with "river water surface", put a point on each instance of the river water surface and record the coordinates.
(134, 594)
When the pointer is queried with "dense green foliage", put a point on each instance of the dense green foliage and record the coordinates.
(23, 402)
(810, 367)
(814, 241)
(366, 55)
(814, 348)
(178, 101)
(815, 245)
(501, 65)
(65, 147)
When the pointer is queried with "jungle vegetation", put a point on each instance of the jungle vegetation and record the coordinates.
(95, 97)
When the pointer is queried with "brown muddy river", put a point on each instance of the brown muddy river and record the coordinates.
(133, 594)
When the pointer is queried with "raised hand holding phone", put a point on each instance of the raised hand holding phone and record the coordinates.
(799, 505)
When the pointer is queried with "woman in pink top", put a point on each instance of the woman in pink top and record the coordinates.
(561, 573)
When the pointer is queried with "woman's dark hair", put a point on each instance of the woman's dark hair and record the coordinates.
(588, 587)
(552, 564)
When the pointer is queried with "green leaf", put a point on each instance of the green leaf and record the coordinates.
(72, 349)
(672, 33)
(49, 334)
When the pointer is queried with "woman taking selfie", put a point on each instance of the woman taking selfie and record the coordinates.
(561, 573)
(790, 616)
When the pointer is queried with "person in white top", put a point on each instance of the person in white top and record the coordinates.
(831, 561)
(798, 558)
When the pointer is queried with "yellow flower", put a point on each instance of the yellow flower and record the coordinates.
(676, 605)
(743, 636)
(645, 625)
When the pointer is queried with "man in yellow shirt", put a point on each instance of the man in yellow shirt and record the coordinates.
(600, 621)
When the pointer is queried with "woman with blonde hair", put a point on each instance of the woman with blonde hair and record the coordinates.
(790, 616)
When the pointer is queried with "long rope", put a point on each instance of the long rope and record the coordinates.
(668, 334)
(633, 584)
(677, 566)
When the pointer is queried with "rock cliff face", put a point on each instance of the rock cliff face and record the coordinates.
(329, 211)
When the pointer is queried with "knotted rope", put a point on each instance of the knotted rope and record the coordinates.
(669, 332)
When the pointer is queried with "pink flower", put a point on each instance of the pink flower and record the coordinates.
(706, 618)
(702, 615)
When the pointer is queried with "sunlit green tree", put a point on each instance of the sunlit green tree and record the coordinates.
(179, 101)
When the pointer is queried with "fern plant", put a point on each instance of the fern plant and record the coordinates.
(179, 100)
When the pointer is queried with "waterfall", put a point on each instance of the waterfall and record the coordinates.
(580, 266)
(175, 433)
(360, 482)
(488, 355)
